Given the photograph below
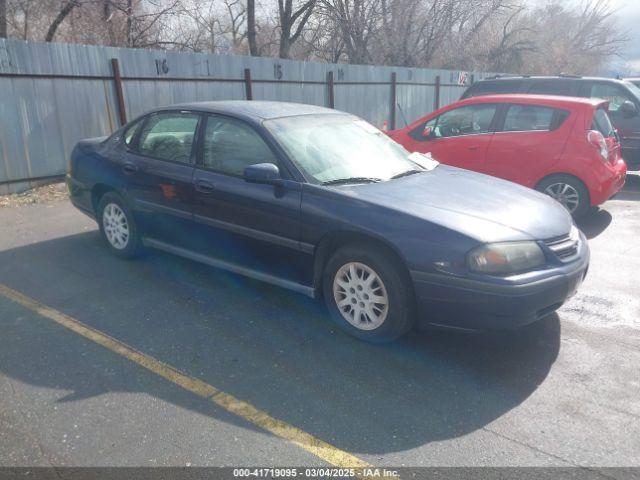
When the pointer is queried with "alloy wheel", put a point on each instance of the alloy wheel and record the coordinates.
(116, 226)
(565, 194)
(360, 296)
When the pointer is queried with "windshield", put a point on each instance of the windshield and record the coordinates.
(334, 148)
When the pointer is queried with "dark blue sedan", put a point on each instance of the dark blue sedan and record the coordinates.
(323, 203)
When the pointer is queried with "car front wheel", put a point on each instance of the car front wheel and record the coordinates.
(117, 226)
(368, 294)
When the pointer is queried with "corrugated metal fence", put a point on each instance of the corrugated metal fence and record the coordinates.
(52, 95)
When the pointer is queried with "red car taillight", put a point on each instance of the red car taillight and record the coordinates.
(597, 140)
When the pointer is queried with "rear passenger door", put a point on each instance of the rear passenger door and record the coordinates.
(529, 139)
(159, 167)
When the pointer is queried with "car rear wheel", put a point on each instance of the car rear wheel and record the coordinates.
(117, 226)
(368, 294)
(568, 191)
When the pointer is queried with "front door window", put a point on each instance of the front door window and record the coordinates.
(231, 145)
(469, 120)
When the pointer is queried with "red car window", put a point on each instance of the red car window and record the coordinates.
(467, 120)
(524, 118)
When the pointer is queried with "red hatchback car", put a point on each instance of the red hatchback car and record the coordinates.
(563, 146)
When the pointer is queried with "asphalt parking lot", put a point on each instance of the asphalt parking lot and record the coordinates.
(562, 392)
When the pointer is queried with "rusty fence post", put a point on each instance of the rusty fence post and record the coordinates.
(394, 101)
(436, 95)
(332, 98)
(247, 84)
(117, 82)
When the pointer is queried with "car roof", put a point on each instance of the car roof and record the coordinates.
(547, 77)
(555, 100)
(255, 110)
(541, 78)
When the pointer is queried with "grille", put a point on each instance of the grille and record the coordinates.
(564, 247)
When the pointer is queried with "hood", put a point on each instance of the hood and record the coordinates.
(482, 207)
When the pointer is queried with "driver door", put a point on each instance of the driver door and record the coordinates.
(459, 137)
(256, 226)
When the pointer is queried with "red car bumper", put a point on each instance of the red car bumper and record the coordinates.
(611, 184)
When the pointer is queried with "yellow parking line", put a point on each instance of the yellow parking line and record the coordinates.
(248, 412)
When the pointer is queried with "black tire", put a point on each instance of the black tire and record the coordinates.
(583, 194)
(133, 244)
(400, 311)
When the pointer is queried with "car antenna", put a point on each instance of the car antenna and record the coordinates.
(404, 119)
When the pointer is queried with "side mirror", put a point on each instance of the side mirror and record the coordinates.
(266, 173)
(628, 109)
(427, 132)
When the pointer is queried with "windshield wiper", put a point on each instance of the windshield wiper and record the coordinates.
(339, 181)
(407, 173)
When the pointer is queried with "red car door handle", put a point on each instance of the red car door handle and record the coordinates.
(473, 147)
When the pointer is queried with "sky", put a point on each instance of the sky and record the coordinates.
(628, 12)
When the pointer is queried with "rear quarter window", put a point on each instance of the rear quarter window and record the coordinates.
(130, 132)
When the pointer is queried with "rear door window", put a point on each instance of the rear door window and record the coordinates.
(169, 136)
(602, 123)
(524, 118)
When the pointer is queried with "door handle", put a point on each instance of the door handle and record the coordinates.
(129, 168)
(473, 147)
(204, 187)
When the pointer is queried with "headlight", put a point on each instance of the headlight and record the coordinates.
(504, 258)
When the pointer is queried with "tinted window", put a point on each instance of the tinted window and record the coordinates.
(602, 123)
(169, 136)
(612, 92)
(231, 145)
(469, 120)
(521, 118)
(553, 87)
(489, 87)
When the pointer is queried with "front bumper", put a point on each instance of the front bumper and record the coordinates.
(471, 304)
